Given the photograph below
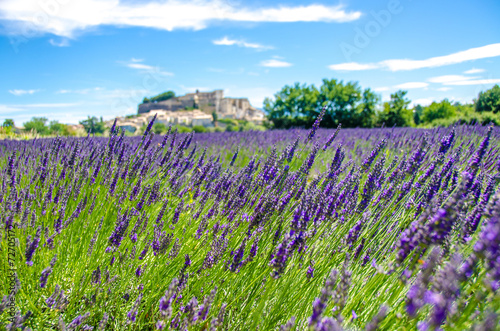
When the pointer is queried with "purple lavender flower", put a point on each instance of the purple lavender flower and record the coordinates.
(139, 271)
(205, 306)
(234, 157)
(310, 271)
(238, 257)
(149, 127)
(477, 158)
(332, 137)
(47, 271)
(132, 314)
(32, 245)
(96, 275)
(121, 226)
(177, 212)
(187, 261)
(165, 303)
(447, 141)
(315, 126)
(319, 304)
(74, 324)
(369, 160)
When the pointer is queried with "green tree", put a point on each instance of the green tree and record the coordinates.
(417, 114)
(159, 128)
(8, 123)
(37, 124)
(56, 128)
(437, 110)
(293, 106)
(199, 129)
(93, 125)
(342, 102)
(300, 105)
(160, 97)
(489, 100)
(367, 109)
(215, 117)
(396, 112)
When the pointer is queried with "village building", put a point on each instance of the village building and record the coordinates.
(208, 102)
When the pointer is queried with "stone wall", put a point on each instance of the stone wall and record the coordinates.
(208, 102)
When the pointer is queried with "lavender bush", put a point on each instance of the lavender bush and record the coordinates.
(394, 228)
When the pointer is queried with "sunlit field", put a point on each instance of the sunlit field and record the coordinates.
(393, 228)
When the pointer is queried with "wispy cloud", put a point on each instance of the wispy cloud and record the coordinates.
(136, 64)
(462, 80)
(48, 105)
(22, 92)
(77, 16)
(80, 91)
(59, 43)
(473, 71)
(8, 109)
(381, 89)
(477, 53)
(449, 78)
(412, 85)
(273, 63)
(353, 66)
(225, 41)
(475, 82)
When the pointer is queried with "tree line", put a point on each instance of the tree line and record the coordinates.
(298, 105)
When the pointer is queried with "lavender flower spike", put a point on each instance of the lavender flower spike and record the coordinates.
(315, 126)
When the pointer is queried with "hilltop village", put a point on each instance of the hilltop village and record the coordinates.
(192, 109)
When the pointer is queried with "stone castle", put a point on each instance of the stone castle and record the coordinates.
(208, 102)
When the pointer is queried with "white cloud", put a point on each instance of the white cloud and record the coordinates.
(483, 52)
(8, 109)
(449, 78)
(473, 71)
(475, 82)
(48, 105)
(80, 91)
(136, 64)
(273, 63)
(412, 85)
(241, 43)
(67, 18)
(462, 80)
(140, 66)
(422, 102)
(22, 92)
(61, 43)
(381, 89)
(353, 66)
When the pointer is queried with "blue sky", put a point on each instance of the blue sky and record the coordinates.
(66, 59)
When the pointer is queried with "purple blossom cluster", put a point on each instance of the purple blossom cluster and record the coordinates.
(181, 231)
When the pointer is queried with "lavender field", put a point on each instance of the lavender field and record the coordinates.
(347, 229)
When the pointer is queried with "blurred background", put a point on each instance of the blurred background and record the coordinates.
(69, 66)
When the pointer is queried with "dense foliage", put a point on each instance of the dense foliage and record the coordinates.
(160, 97)
(349, 229)
(299, 105)
(38, 125)
(94, 125)
(347, 103)
(489, 100)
